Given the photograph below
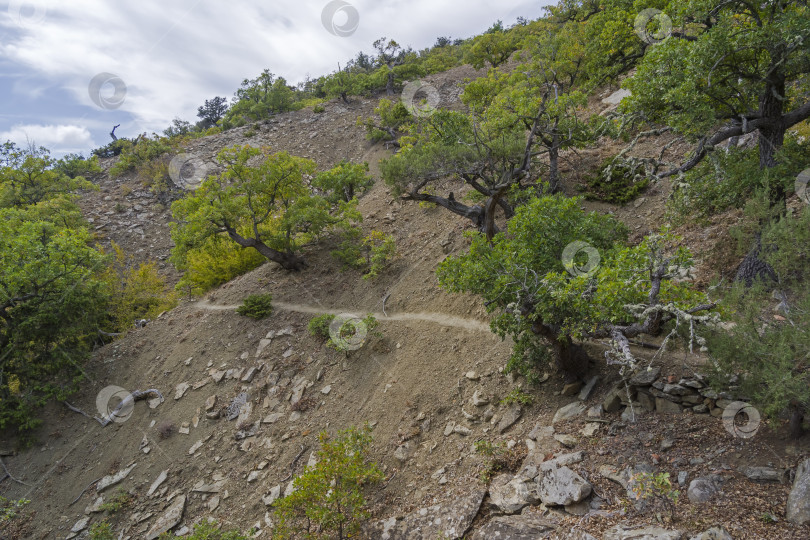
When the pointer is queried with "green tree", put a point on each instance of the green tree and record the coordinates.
(212, 111)
(734, 68)
(394, 120)
(580, 282)
(344, 182)
(328, 499)
(268, 207)
(493, 48)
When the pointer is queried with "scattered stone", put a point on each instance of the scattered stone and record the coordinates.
(184, 429)
(403, 452)
(263, 344)
(521, 527)
(95, 506)
(715, 533)
(631, 414)
(667, 444)
(157, 483)
(154, 402)
(616, 97)
(169, 519)
(666, 406)
(645, 377)
(180, 390)
(700, 409)
(595, 411)
(249, 375)
(196, 446)
(566, 440)
(572, 410)
(479, 399)
(80, 525)
(472, 375)
(295, 416)
(462, 430)
(213, 503)
(704, 488)
(590, 429)
(232, 411)
(612, 402)
(510, 494)
(448, 429)
(326, 389)
(217, 375)
(253, 476)
(798, 504)
(763, 474)
(511, 416)
(561, 486)
(113, 479)
(571, 389)
(631, 532)
(199, 384)
(683, 476)
(244, 414)
(448, 520)
(586, 392)
(273, 418)
(646, 401)
(211, 402)
(273, 496)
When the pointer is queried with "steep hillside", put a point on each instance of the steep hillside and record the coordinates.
(431, 386)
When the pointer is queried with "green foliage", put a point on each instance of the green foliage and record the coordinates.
(256, 306)
(517, 396)
(137, 292)
(655, 488)
(76, 165)
(216, 261)
(268, 207)
(9, 508)
(259, 98)
(117, 502)
(344, 182)
(493, 48)
(112, 149)
(102, 531)
(328, 499)
(319, 108)
(617, 183)
(381, 249)
(497, 457)
(318, 326)
(353, 334)
(138, 154)
(393, 119)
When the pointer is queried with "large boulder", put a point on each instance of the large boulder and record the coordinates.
(170, 518)
(798, 504)
(449, 520)
(510, 494)
(521, 527)
(559, 485)
(715, 533)
(702, 489)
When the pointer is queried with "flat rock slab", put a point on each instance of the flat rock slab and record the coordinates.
(157, 483)
(627, 532)
(511, 416)
(798, 504)
(510, 494)
(113, 479)
(572, 410)
(562, 486)
(449, 520)
(169, 519)
(522, 527)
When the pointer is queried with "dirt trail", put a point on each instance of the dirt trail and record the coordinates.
(436, 318)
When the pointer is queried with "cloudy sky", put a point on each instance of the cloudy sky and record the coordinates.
(72, 69)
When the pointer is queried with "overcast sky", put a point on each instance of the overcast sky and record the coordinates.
(150, 61)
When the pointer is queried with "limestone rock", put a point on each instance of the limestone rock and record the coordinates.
(704, 488)
(572, 410)
(561, 486)
(715, 533)
(798, 504)
(180, 390)
(273, 496)
(510, 494)
(170, 518)
(448, 520)
(113, 479)
(521, 527)
(629, 532)
(157, 483)
(763, 474)
(511, 416)
(586, 392)
(645, 377)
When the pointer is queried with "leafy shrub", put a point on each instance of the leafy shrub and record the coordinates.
(380, 250)
(344, 182)
(209, 530)
(101, 531)
(319, 108)
(328, 501)
(216, 261)
(120, 500)
(392, 120)
(655, 489)
(318, 326)
(256, 306)
(353, 334)
(497, 457)
(9, 508)
(517, 396)
(112, 149)
(617, 182)
(76, 165)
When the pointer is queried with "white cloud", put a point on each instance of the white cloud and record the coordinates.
(173, 55)
(65, 138)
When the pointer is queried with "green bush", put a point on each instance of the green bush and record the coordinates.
(209, 530)
(319, 108)
(76, 165)
(517, 396)
(9, 508)
(216, 261)
(135, 155)
(102, 531)
(353, 334)
(319, 325)
(617, 182)
(257, 306)
(120, 500)
(381, 249)
(328, 499)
